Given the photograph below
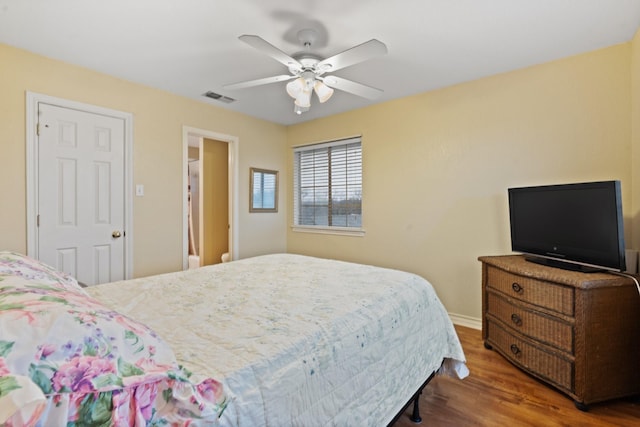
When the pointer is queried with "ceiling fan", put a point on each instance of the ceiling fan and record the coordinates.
(308, 69)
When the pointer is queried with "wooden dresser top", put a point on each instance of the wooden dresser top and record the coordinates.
(517, 264)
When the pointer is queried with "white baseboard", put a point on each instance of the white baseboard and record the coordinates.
(469, 322)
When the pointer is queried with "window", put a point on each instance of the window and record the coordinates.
(328, 185)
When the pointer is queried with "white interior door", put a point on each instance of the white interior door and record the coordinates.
(81, 197)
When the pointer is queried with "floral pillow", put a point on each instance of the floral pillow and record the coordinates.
(15, 264)
(65, 359)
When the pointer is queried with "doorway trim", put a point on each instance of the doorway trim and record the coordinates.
(234, 148)
(32, 101)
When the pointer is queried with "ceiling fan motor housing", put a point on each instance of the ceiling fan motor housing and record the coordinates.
(306, 62)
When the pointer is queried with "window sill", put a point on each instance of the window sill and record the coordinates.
(340, 231)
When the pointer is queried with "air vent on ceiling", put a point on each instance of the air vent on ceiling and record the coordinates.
(219, 97)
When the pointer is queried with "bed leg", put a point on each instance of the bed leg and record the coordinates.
(415, 417)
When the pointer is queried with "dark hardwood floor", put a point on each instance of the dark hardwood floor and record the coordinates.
(498, 394)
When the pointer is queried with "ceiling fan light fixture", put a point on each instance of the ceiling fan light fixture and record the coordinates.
(303, 99)
(295, 87)
(323, 91)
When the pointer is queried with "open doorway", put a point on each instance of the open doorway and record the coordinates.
(209, 197)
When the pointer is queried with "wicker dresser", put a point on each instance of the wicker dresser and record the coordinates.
(579, 332)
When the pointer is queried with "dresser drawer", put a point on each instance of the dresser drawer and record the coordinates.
(541, 327)
(539, 362)
(551, 296)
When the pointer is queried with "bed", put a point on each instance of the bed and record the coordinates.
(291, 340)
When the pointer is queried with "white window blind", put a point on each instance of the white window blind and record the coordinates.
(328, 184)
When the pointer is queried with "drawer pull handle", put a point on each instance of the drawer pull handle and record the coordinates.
(515, 350)
(517, 288)
(516, 319)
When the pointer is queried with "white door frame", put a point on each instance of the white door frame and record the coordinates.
(32, 101)
(234, 148)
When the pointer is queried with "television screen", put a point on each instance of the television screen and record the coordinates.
(572, 226)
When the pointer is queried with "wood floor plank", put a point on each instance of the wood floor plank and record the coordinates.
(497, 393)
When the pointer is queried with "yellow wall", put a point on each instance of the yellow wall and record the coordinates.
(159, 118)
(635, 137)
(437, 165)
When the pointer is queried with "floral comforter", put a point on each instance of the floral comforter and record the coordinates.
(67, 360)
(299, 341)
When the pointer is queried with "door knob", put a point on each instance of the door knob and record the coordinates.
(115, 234)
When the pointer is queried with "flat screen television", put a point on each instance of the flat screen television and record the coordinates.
(571, 226)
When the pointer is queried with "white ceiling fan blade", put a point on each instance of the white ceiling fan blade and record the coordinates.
(356, 54)
(352, 87)
(266, 47)
(258, 82)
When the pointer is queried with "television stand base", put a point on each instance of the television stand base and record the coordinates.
(563, 265)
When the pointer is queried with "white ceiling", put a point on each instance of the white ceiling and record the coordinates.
(189, 47)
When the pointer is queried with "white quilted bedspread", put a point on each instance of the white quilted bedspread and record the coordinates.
(296, 340)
